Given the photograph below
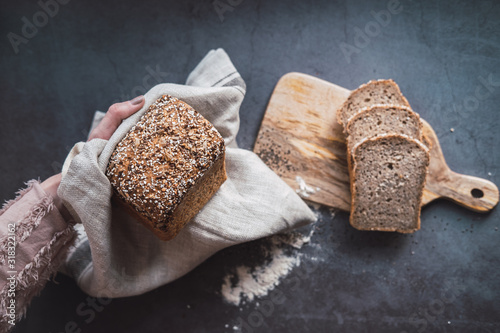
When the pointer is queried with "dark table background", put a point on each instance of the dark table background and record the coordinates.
(443, 278)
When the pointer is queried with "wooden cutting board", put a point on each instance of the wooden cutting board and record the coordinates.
(302, 142)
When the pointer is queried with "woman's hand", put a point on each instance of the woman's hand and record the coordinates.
(108, 125)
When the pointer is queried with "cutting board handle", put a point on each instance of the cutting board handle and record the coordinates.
(475, 193)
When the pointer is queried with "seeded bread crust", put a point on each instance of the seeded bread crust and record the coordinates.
(167, 167)
(344, 112)
(355, 164)
(383, 118)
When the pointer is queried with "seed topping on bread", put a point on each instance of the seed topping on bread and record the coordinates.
(162, 156)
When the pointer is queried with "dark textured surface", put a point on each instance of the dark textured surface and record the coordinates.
(444, 278)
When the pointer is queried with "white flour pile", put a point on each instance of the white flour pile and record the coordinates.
(250, 282)
(305, 190)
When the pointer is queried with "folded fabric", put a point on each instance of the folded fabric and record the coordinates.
(115, 256)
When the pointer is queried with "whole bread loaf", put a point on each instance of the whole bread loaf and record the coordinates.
(168, 166)
(387, 181)
(368, 94)
(379, 119)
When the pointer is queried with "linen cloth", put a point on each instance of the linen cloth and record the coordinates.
(116, 256)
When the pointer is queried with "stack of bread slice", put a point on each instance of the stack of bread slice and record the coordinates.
(387, 158)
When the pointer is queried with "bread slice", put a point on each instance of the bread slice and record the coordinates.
(387, 182)
(383, 119)
(373, 92)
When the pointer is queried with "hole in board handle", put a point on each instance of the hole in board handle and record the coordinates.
(477, 193)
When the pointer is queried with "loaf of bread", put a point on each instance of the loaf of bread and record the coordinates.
(377, 119)
(368, 94)
(387, 182)
(167, 167)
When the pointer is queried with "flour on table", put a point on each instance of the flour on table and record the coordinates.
(247, 283)
(305, 190)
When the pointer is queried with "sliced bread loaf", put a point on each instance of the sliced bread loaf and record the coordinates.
(387, 182)
(383, 119)
(373, 92)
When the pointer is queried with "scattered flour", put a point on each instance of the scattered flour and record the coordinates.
(258, 281)
(305, 190)
(247, 283)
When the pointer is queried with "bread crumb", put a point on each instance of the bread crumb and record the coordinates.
(452, 129)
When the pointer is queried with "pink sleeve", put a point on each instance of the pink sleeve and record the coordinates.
(34, 239)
